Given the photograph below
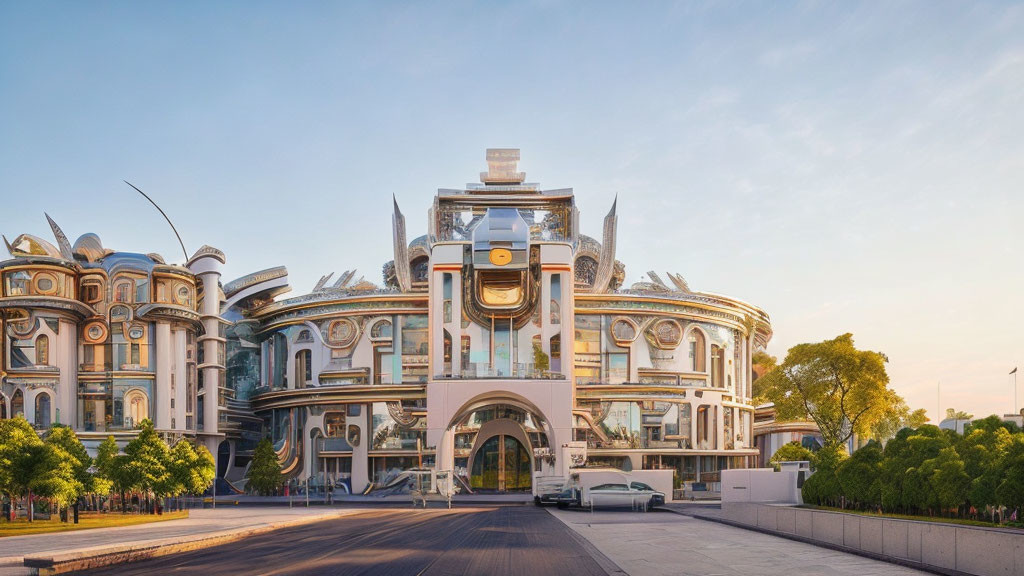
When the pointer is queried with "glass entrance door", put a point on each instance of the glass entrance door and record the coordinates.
(501, 464)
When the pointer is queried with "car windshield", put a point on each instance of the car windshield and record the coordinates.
(611, 487)
(640, 486)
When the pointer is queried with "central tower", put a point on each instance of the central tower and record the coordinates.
(500, 392)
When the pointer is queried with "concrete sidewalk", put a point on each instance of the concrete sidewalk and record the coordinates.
(201, 524)
(663, 544)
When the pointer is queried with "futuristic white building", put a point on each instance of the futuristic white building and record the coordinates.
(501, 346)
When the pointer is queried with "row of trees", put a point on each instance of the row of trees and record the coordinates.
(57, 466)
(928, 471)
(907, 466)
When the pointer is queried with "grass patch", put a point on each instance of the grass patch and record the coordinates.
(939, 519)
(86, 521)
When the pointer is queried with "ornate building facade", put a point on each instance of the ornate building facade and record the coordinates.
(502, 345)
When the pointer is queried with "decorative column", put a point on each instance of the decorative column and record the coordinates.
(206, 265)
(161, 408)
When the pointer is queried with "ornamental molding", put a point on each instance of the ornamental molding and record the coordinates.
(48, 303)
(167, 311)
(237, 285)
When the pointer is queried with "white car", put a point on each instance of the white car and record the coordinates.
(635, 495)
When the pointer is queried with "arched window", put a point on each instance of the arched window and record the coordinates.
(303, 368)
(136, 408)
(42, 410)
(43, 350)
(697, 350)
(381, 329)
(17, 404)
(123, 291)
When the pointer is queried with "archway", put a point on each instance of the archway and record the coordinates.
(502, 464)
(494, 447)
(136, 405)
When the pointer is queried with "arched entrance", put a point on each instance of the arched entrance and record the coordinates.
(501, 463)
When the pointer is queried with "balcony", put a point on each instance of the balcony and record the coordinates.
(485, 370)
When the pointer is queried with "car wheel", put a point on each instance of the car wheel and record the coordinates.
(562, 505)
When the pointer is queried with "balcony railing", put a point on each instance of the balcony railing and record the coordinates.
(482, 370)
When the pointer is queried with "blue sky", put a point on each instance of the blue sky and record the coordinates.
(848, 167)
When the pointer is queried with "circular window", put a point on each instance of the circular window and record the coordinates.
(623, 330)
(45, 283)
(96, 332)
(136, 332)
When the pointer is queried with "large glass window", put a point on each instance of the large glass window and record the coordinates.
(587, 346)
(556, 298)
(18, 283)
(414, 349)
(390, 434)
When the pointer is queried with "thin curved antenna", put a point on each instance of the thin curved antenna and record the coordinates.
(164, 214)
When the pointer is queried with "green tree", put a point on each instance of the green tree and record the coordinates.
(792, 452)
(842, 389)
(761, 364)
(823, 486)
(147, 457)
(204, 471)
(264, 470)
(65, 438)
(859, 476)
(19, 444)
(191, 468)
(948, 478)
(1010, 492)
(110, 470)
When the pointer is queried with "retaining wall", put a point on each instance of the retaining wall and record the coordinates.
(947, 548)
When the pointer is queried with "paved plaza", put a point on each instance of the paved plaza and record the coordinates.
(663, 543)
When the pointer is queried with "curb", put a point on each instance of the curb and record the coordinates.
(107, 555)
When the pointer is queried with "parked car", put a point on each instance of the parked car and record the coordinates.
(621, 494)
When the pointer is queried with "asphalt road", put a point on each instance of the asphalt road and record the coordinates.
(516, 540)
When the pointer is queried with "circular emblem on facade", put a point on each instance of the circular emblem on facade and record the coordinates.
(500, 256)
(342, 332)
(95, 332)
(182, 295)
(667, 334)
